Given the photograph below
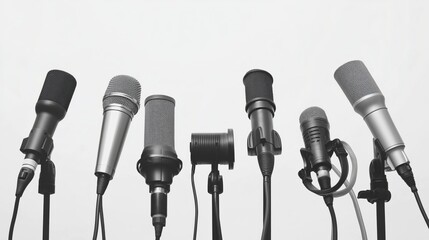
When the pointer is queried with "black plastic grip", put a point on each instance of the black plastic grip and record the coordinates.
(59, 87)
(259, 86)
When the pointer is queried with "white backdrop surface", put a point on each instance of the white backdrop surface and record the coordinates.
(198, 52)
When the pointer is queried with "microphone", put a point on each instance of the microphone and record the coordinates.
(315, 132)
(367, 100)
(159, 163)
(263, 141)
(51, 107)
(120, 103)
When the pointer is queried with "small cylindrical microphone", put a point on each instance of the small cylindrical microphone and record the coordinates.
(159, 163)
(213, 148)
(315, 132)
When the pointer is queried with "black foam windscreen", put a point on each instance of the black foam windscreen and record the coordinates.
(355, 80)
(312, 113)
(258, 85)
(159, 121)
(59, 87)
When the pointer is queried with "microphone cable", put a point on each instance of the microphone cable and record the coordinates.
(267, 208)
(419, 202)
(334, 222)
(349, 188)
(99, 217)
(14, 215)
(194, 191)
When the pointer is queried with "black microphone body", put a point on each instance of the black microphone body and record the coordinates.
(51, 108)
(315, 132)
(263, 141)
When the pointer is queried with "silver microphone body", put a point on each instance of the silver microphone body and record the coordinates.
(367, 100)
(116, 122)
(373, 109)
(120, 103)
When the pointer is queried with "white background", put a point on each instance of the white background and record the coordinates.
(198, 52)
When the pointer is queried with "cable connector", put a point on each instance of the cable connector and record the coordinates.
(406, 173)
(103, 180)
(24, 178)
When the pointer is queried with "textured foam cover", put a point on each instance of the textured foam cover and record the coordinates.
(311, 113)
(58, 87)
(127, 85)
(355, 80)
(159, 121)
(258, 84)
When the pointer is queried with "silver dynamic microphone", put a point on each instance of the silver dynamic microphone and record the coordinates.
(367, 100)
(120, 103)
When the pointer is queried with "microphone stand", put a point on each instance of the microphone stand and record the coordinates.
(46, 188)
(215, 188)
(379, 192)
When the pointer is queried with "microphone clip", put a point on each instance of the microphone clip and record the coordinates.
(258, 137)
(334, 146)
(39, 144)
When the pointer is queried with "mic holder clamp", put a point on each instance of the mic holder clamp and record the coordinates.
(215, 181)
(31, 145)
(334, 146)
(379, 185)
(158, 165)
(257, 137)
(47, 177)
(379, 192)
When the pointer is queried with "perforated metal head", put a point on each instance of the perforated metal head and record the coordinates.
(312, 113)
(355, 81)
(123, 90)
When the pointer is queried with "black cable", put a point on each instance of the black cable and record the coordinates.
(103, 229)
(194, 191)
(46, 213)
(14, 215)
(266, 230)
(334, 222)
(97, 216)
(218, 229)
(422, 210)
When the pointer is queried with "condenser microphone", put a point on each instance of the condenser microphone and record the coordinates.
(159, 163)
(315, 132)
(120, 103)
(51, 107)
(263, 141)
(367, 100)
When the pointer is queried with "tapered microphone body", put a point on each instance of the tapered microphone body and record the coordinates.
(367, 100)
(315, 132)
(51, 107)
(120, 103)
(159, 163)
(263, 141)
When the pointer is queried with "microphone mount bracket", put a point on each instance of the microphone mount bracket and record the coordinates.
(257, 137)
(334, 146)
(38, 143)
